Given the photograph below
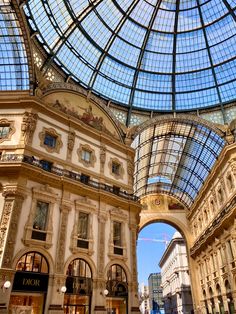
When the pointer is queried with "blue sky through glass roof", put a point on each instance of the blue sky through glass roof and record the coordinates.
(155, 55)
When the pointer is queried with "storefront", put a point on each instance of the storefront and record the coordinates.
(78, 294)
(30, 284)
(116, 291)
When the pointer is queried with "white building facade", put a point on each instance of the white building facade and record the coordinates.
(175, 277)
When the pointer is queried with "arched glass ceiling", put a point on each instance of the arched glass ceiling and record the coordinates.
(163, 55)
(13, 62)
(175, 157)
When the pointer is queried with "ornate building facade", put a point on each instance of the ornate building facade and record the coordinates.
(175, 278)
(69, 218)
(109, 121)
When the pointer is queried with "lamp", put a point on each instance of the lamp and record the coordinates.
(6, 285)
(62, 289)
(228, 300)
(105, 292)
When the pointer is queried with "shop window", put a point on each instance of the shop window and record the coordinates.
(50, 140)
(79, 278)
(116, 290)
(83, 225)
(33, 262)
(86, 155)
(40, 221)
(6, 129)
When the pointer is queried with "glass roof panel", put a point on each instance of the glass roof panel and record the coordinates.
(177, 53)
(13, 61)
(175, 157)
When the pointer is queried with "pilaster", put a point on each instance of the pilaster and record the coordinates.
(10, 217)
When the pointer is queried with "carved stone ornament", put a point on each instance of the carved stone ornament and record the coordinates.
(9, 125)
(102, 157)
(10, 217)
(28, 126)
(53, 133)
(118, 214)
(71, 140)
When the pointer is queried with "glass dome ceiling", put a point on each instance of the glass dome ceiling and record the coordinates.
(170, 55)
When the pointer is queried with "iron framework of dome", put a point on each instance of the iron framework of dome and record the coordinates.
(172, 55)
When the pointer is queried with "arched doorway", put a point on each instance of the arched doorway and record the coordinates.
(116, 290)
(78, 293)
(167, 275)
(30, 284)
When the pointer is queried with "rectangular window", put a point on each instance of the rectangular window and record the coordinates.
(4, 130)
(50, 140)
(117, 233)
(83, 225)
(41, 215)
(115, 168)
(86, 155)
(40, 221)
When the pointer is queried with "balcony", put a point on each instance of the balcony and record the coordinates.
(47, 166)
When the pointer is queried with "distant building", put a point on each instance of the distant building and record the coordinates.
(155, 293)
(175, 277)
(144, 299)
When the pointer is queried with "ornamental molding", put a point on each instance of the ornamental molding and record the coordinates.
(12, 130)
(118, 213)
(53, 133)
(120, 174)
(88, 148)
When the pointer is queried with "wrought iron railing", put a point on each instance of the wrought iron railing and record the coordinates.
(75, 176)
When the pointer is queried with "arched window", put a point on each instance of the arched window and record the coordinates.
(116, 272)
(117, 281)
(33, 262)
(78, 267)
(79, 278)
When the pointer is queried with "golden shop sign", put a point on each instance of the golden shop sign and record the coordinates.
(27, 281)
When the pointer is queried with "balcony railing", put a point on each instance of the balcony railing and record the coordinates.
(75, 176)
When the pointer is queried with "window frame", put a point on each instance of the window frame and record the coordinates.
(10, 124)
(51, 132)
(86, 148)
(45, 195)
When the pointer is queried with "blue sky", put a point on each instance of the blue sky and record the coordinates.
(149, 252)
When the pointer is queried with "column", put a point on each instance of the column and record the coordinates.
(133, 289)
(58, 280)
(100, 282)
